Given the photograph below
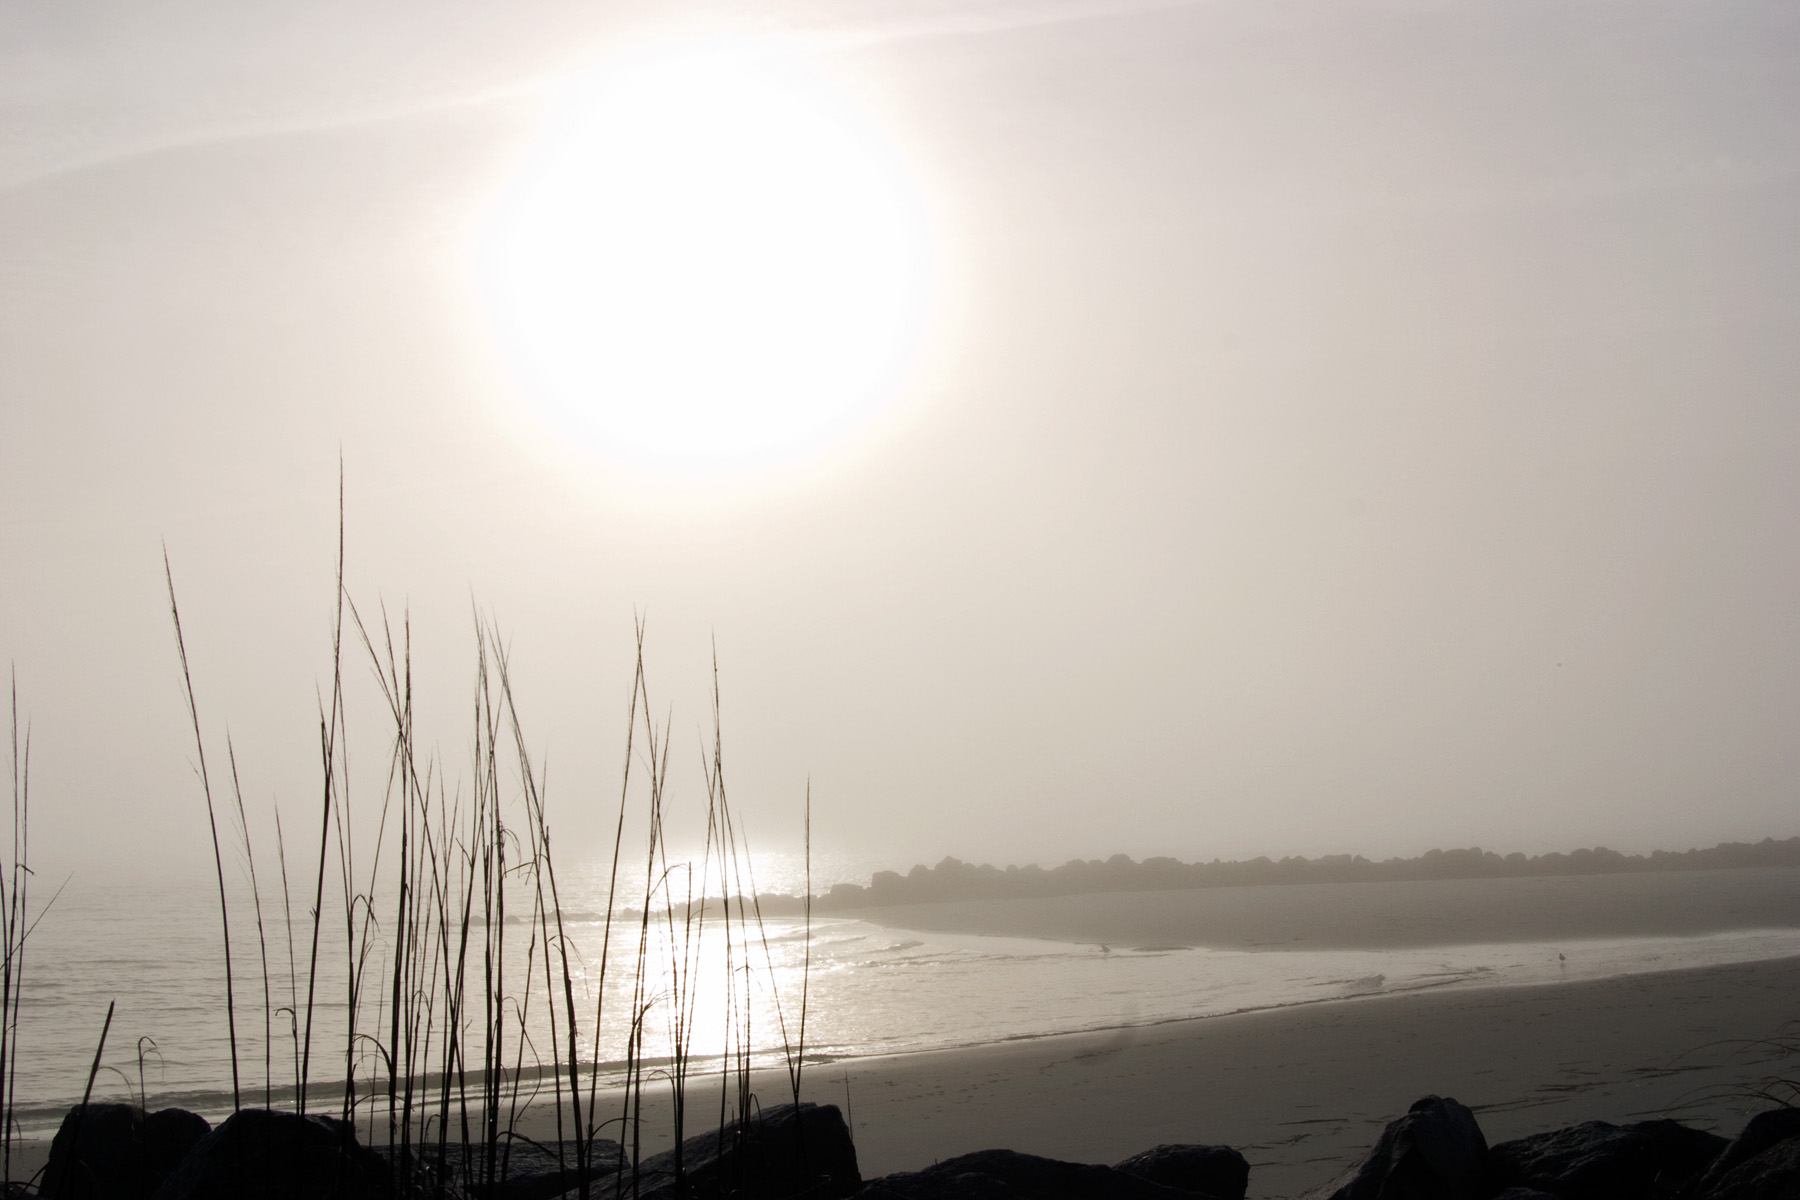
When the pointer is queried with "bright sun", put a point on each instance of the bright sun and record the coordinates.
(711, 261)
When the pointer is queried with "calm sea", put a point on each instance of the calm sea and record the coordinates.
(868, 989)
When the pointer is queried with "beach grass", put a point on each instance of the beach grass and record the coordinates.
(440, 885)
(15, 925)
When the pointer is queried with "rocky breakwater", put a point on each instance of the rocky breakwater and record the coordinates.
(1436, 1151)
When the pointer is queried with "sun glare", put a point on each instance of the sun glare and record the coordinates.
(711, 261)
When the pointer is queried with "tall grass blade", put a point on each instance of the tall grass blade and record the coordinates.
(187, 680)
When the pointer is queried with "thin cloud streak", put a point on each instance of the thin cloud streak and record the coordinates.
(33, 156)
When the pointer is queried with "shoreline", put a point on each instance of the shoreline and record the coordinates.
(1305, 1090)
(1302, 1090)
(214, 1103)
(1456, 985)
(877, 994)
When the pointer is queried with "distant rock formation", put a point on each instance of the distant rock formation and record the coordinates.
(953, 879)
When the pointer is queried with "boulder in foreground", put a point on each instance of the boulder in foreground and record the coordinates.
(1217, 1171)
(1598, 1161)
(1435, 1152)
(260, 1154)
(1761, 1163)
(1009, 1175)
(790, 1150)
(118, 1151)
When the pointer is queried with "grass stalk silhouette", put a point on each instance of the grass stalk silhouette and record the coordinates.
(187, 680)
(13, 929)
(87, 1094)
(461, 1010)
(262, 939)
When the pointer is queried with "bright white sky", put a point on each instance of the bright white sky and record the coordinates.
(1303, 427)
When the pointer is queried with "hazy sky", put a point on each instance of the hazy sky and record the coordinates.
(1324, 427)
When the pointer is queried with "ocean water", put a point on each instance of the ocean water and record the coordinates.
(868, 989)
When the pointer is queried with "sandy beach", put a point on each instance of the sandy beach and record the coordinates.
(1304, 1092)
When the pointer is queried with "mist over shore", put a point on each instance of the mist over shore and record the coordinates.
(954, 879)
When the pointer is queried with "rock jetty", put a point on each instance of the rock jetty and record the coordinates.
(1436, 1151)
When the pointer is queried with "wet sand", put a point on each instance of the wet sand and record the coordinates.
(1305, 1091)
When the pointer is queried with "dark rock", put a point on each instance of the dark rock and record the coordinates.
(936, 1183)
(259, 1154)
(1009, 1175)
(787, 1151)
(523, 1169)
(1215, 1170)
(1435, 1152)
(1761, 1163)
(1649, 1160)
(118, 1152)
(1680, 1151)
(1523, 1193)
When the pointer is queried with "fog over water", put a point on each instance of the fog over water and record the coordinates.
(1312, 477)
(1308, 429)
(878, 982)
